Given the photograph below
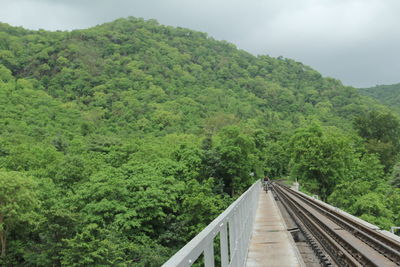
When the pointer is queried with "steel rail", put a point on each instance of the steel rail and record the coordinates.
(331, 246)
(384, 245)
(312, 214)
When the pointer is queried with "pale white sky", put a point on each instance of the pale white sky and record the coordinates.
(356, 41)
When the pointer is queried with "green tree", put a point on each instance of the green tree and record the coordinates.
(236, 160)
(18, 202)
(395, 176)
(372, 207)
(321, 157)
(109, 122)
(381, 131)
(369, 199)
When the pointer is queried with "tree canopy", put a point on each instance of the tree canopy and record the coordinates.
(119, 143)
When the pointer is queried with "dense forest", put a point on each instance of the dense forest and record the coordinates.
(386, 94)
(119, 143)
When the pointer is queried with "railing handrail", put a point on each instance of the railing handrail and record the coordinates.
(204, 241)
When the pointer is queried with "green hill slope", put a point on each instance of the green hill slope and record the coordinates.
(129, 137)
(136, 60)
(386, 94)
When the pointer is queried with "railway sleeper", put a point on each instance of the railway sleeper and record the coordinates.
(390, 249)
(331, 245)
(308, 215)
(324, 258)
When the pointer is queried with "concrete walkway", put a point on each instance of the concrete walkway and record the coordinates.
(271, 244)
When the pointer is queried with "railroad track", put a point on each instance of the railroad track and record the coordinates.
(335, 238)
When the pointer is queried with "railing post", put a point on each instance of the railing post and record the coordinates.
(237, 233)
(224, 245)
(232, 236)
(209, 254)
(240, 235)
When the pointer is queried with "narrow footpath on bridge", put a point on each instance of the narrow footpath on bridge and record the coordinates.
(271, 244)
(284, 227)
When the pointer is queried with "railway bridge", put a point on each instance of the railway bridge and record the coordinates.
(284, 227)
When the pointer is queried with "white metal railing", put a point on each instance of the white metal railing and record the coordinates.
(234, 225)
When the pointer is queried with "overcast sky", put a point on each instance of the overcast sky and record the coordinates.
(356, 41)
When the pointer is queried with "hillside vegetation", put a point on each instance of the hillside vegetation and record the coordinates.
(119, 143)
(386, 94)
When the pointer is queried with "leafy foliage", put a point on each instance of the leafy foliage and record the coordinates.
(18, 202)
(129, 137)
(386, 94)
(382, 134)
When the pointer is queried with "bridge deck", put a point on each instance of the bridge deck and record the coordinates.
(271, 244)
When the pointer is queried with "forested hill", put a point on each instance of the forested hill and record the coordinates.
(120, 142)
(386, 94)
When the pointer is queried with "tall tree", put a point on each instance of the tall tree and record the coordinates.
(18, 202)
(381, 130)
(236, 159)
(396, 176)
(321, 157)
